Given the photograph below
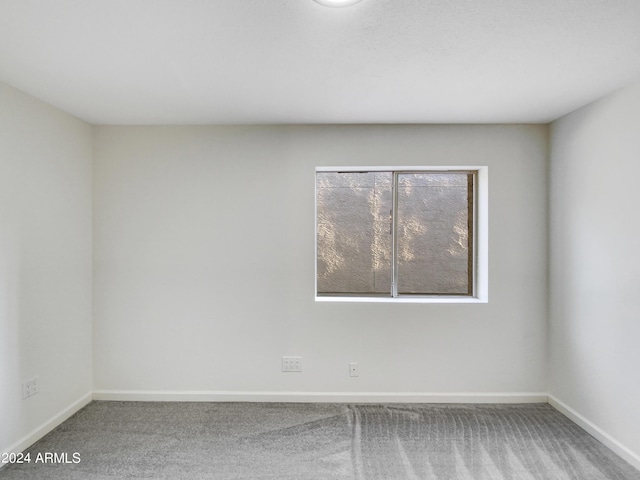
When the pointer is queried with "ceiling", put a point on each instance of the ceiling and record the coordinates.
(295, 61)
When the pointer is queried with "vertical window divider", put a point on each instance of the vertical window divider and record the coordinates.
(394, 235)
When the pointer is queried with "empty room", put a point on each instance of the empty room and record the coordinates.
(319, 239)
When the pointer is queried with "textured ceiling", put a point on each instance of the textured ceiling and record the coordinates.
(295, 61)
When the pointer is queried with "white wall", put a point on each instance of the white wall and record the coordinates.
(595, 265)
(204, 264)
(45, 262)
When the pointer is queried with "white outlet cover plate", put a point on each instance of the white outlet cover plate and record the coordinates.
(291, 363)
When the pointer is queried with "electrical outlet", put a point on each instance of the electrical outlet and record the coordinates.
(29, 387)
(354, 371)
(291, 364)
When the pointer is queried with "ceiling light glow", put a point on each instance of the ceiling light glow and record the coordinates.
(336, 3)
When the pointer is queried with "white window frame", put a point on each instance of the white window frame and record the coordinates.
(480, 238)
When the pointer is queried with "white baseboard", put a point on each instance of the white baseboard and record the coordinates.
(49, 425)
(319, 397)
(595, 431)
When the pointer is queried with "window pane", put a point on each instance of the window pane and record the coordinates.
(354, 241)
(433, 226)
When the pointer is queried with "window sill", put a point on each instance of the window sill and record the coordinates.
(408, 299)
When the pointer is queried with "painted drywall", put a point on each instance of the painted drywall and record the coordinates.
(45, 262)
(204, 264)
(595, 264)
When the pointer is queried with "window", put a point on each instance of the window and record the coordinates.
(396, 234)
